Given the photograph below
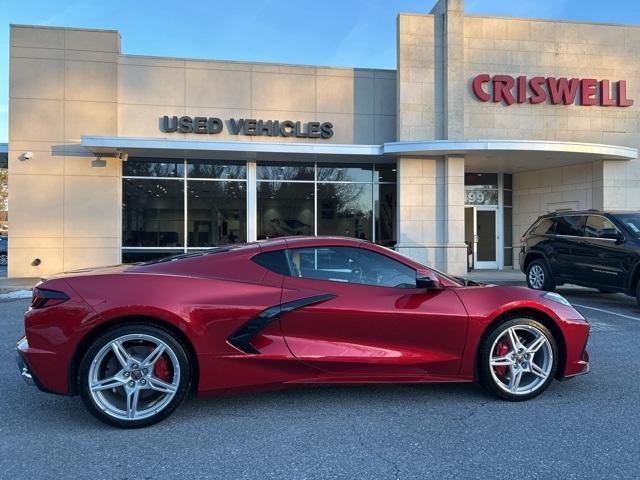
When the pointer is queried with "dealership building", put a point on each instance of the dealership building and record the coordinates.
(486, 124)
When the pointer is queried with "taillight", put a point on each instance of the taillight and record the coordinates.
(42, 298)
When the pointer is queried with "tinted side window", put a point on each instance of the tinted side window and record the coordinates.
(599, 227)
(352, 265)
(570, 225)
(544, 227)
(275, 261)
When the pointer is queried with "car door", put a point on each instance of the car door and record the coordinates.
(606, 262)
(370, 319)
(569, 265)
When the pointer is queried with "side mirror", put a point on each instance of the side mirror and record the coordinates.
(428, 283)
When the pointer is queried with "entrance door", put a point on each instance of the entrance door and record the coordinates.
(485, 247)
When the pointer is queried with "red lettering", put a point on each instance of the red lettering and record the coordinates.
(522, 89)
(606, 99)
(623, 101)
(562, 90)
(535, 84)
(588, 91)
(502, 85)
(476, 86)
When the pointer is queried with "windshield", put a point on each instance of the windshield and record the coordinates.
(632, 222)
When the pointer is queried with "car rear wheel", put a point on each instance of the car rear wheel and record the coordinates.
(134, 376)
(518, 359)
(3, 259)
(539, 277)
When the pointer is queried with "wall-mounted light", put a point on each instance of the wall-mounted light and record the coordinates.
(26, 156)
(122, 156)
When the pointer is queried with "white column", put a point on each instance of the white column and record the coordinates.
(252, 202)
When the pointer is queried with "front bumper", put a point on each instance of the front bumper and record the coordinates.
(25, 373)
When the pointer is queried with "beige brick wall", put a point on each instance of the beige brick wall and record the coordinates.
(65, 205)
(361, 103)
(559, 49)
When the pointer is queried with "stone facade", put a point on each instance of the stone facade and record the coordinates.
(66, 82)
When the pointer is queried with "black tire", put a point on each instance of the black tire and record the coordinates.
(181, 391)
(488, 380)
(534, 270)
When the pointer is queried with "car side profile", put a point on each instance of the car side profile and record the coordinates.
(133, 340)
(588, 248)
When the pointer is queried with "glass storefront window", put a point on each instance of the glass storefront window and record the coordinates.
(345, 209)
(203, 203)
(508, 236)
(216, 213)
(152, 213)
(285, 171)
(340, 172)
(136, 256)
(216, 169)
(481, 188)
(284, 209)
(385, 172)
(385, 211)
(150, 167)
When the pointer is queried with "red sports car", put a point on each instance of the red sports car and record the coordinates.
(134, 340)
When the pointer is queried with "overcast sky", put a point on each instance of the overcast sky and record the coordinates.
(323, 32)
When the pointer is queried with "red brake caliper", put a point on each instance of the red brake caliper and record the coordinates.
(161, 368)
(501, 349)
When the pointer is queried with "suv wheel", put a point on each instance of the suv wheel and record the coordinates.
(539, 277)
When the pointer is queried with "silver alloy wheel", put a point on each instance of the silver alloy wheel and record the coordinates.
(134, 391)
(526, 364)
(4, 260)
(536, 277)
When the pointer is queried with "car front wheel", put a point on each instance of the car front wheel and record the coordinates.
(518, 359)
(134, 376)
(539, 277)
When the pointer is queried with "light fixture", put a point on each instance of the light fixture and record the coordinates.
(26, 156)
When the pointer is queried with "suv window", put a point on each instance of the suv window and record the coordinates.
(544, 227)
(632, 222)
(599, 227)
(352, 265)
(571, 225)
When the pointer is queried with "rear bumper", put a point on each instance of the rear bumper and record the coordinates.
(26, 370)
(25, 373)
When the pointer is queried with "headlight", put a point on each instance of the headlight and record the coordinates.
(556, 297)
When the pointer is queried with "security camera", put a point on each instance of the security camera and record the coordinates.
(122, 155)
(26, 156)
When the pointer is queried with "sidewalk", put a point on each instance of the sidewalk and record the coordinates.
(498, 277)
(16, 284)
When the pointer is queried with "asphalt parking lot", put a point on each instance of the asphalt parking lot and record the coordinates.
(584, 428)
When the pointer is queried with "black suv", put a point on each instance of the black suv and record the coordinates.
(589, 248)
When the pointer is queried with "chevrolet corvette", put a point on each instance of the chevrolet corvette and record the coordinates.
(133, 340)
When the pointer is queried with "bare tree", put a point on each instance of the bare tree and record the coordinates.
(4, 192)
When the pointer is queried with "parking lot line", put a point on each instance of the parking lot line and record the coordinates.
(607, 311)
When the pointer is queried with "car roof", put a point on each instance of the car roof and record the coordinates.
(558, 213)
